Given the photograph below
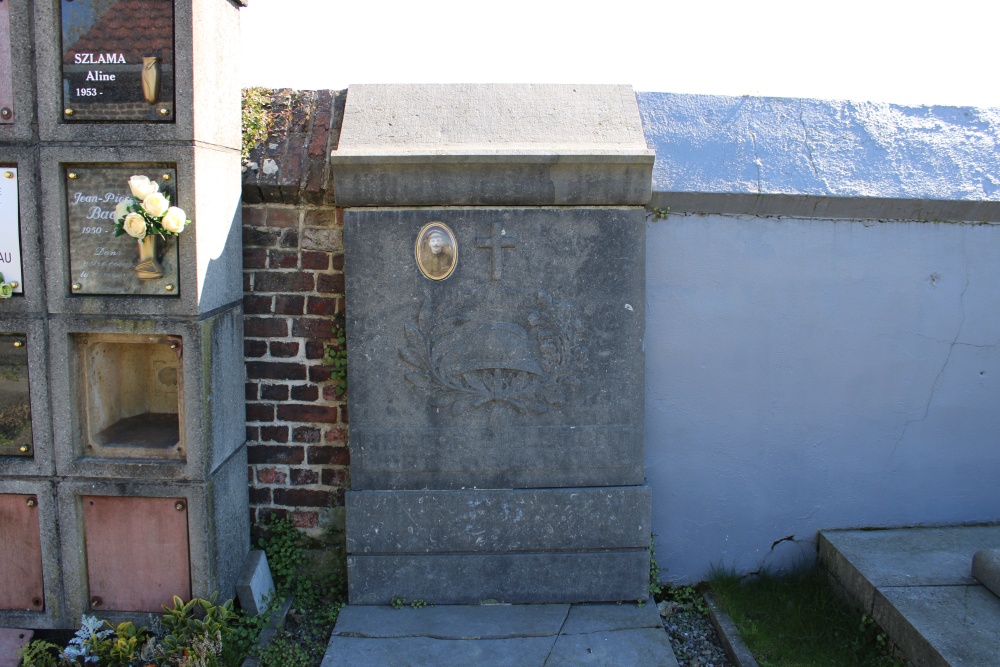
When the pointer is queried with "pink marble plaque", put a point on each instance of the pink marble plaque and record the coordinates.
(137, 552)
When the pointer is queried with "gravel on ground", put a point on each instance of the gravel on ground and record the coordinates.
(692, 636)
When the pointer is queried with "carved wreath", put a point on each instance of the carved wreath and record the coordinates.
(464, 365)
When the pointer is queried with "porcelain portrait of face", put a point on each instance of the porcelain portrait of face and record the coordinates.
(436, 250)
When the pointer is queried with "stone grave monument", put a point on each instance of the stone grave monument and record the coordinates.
(122, 436)
(495, 285)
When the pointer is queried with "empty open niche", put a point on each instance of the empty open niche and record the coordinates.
(132, 386)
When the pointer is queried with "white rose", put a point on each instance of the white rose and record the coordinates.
(174, 220)
(155, 204)
(122, 209)
(142, 187)
(135, 225)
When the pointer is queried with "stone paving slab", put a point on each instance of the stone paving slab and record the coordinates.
(454, 621)
(960, 624)
(11, 641)
(584, 618)
(642, 646)
(522, 635)
(917, 585)
(915, 556)
(427, 652)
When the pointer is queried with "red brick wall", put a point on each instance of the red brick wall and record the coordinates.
(293, 285)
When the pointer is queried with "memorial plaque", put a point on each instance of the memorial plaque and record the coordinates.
(15, 403)
(147, 568)
(6, 67)
(21, 584)
(10, 229)
(118, 60)
(100, 262)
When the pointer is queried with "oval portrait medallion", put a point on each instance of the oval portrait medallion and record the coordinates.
(436, 250)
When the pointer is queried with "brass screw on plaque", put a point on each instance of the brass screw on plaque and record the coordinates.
(6, 113)
(77, 286)
(169, 288)
(23, 449)
(179, 506)
(72, 174)
(14, 284)
(164, 112)
(166, 177)
(32, 502)
(18, 343)
(96, 601)
(68, 112)
(8, 174)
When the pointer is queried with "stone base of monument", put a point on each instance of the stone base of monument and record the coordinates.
(917, 584)
(518, 545)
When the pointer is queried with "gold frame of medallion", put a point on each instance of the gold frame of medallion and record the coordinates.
(417, 249)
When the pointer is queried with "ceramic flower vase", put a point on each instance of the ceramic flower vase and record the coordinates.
(148, 267)
(151, 79)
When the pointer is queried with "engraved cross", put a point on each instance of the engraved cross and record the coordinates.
(496, 243)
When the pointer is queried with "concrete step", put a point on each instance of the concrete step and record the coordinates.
(517, 635)
(917, 584)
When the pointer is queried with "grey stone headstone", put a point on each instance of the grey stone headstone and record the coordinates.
(255, 586)
(495, 343)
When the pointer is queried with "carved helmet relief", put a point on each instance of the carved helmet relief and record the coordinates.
(465, 357)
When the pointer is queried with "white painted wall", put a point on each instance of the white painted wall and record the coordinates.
(805, 374)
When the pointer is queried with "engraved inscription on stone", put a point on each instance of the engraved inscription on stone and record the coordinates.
(100, 262)
(6, 67)
(15, 403)
(118, 60)
(10, 234)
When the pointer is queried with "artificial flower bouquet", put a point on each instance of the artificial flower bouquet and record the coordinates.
(148, 211)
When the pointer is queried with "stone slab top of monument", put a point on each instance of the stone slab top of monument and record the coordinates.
(492, 144)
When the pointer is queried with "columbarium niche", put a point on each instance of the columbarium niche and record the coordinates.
(141, 573)
(15, 403)
(21, 584)
(131, 389)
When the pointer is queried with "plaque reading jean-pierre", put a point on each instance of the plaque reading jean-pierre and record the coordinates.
(100, 262)
(10, 230)
(118, 60)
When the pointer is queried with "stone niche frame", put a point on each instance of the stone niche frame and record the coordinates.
(32, 301)
(210, 436)
(210, 266)
(53, 615)
(40, 462)
(22, 50)
(218, 541)
(123, 383)
(206, 32)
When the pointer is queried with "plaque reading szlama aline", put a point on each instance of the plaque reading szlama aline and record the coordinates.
(436, 251)
(6, 69)
(118, 60)
(100, 262)
(10, 230)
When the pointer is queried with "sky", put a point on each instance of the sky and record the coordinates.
(907, 52)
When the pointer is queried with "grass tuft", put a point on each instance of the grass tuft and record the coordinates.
(795, 621)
